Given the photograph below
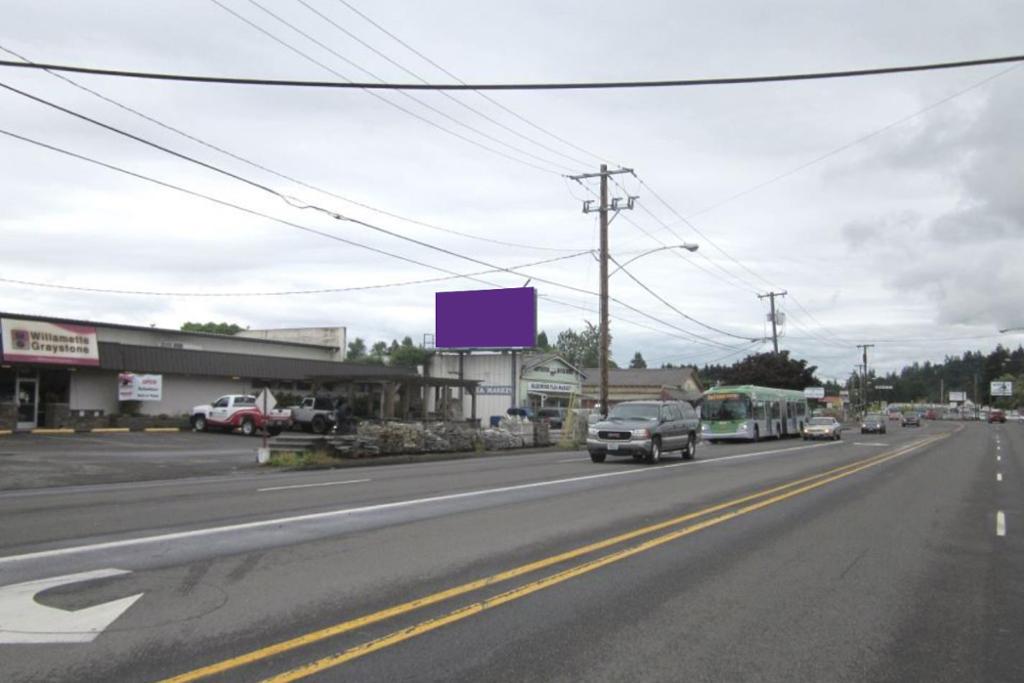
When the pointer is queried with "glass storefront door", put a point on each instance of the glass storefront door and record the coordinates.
(28, 402)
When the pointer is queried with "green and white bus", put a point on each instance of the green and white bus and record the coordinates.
(751, 413)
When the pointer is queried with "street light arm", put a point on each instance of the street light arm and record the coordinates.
(686, 245)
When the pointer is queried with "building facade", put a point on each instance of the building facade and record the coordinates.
(506, 380)
(56, 372)
(637, 384)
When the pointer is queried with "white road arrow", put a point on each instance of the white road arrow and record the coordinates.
(23, 620)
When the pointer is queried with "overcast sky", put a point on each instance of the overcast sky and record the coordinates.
(890, 208)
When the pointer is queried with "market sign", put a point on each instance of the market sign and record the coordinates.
(1001, 389)
(132, 387)
(814, 392)
(494, 390)
(34, 341)
(550, 387)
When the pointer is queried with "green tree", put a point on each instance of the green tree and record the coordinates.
(542, 341)
(580, 348)
(638, 361)
(378, 351)
(409, 354)
(356, 350)
(772, 370)
(212, 328)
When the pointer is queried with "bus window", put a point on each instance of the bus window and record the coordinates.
(776, 410)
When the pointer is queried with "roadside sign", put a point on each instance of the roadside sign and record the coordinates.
(957, 396)
(1001, 389)
(814, 392)
(266, 401)
(884, 387)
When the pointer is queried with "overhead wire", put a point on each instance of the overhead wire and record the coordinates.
(328, 235)
(447, 95)
(292, 292)
(481, 94)
(586, 85)
(278, 174)
(405, 110)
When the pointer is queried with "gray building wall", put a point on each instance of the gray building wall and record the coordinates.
(494, 370)
(225, 344)
(97, 390)
(322, 336)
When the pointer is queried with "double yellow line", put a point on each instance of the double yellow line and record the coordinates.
(729, 510)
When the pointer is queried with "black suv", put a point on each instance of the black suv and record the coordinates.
(645, 430)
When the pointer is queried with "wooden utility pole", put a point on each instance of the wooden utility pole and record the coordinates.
(774, 317)
(864, 391)
(603, 211)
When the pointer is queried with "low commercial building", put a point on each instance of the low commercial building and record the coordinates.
(638, 384)
(57, 372)
(506, 380)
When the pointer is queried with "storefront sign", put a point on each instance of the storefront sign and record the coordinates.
(550, 388)
(33, 341)
(814, 392)
(1001, 389)
(132, 387)
(494, 390)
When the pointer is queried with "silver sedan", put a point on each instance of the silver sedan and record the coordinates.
(823, 428)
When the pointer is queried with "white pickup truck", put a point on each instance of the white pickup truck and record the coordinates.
(239, 411)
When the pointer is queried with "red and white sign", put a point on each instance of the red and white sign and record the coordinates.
(132, 387)
(33, 341)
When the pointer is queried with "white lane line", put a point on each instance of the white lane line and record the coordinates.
(866, 443)
(306, 486)
(999, 458)
(999, 476)
(1000, 524)
(313, 516)
(573, 459)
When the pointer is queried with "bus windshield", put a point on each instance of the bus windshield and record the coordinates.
(737, 408)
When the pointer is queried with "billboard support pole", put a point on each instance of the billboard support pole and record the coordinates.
(514, 382)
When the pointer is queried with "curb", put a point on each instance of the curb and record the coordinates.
(52, 431)
(6, 432)
(412, 458)
(109, 430)
(161, 429)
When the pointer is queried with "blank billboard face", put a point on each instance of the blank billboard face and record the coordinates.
(486, 319)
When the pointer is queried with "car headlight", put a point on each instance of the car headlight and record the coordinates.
(863, 426)
(591, 431)
(641, 434)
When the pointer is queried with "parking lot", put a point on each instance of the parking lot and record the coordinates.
(42, 460)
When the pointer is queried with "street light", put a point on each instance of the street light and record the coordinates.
(685, 245)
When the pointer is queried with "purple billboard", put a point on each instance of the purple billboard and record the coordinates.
(486, 319)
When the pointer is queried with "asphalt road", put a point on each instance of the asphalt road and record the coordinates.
(874, 559)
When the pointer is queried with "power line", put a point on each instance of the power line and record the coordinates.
(674, 308)
(437, 111)
(449, 96)
(337, 238)
(293, 292)
(598, 85)
(448, 73)
(284, 176)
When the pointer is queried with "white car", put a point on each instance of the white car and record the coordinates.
(823, 428)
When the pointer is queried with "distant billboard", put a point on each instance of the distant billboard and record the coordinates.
(814, 392)
(486, 319)
(957, 396)
(1001, 389)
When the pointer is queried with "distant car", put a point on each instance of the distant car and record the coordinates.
(931, 415)
(645, 430)
(823, 428)
(911, 420)
(873, 423)
(555, 417)
(996, 416)
(894, 416)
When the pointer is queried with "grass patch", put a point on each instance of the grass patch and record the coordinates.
(303, 460)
